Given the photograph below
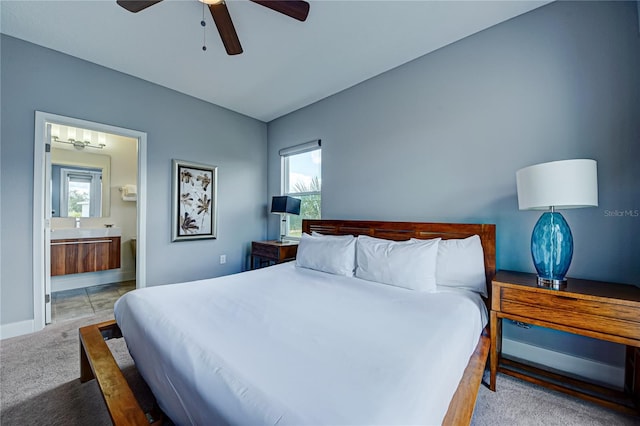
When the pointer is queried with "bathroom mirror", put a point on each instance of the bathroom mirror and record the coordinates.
(80, 184)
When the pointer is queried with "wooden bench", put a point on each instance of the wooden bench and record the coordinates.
(97, 362)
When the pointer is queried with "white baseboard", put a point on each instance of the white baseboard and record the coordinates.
(16, 329)
(593, 370)
(72, 282)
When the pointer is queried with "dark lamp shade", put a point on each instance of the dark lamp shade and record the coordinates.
(285, 204)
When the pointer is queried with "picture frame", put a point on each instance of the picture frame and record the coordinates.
(194, 201)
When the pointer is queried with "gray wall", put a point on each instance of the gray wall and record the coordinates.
(177, 126)
(441, 138)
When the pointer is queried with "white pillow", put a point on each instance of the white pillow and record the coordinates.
(408, 264)
(335, 254)
(461, 264)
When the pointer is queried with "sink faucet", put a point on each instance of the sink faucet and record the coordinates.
(77, 222)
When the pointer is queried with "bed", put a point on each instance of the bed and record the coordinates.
(293, 344)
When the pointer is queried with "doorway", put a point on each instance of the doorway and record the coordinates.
(91, 206)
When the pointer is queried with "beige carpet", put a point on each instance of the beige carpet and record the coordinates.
(39, 378)
(39, 386)
(516, 402)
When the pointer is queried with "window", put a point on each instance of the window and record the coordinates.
(81, 192)
(302, 178)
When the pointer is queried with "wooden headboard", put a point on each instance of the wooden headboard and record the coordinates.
(401, 231)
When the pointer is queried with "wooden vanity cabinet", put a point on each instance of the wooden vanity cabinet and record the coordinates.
(75, 256)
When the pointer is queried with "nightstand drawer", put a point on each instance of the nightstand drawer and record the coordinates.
(573, 304)
(265, 250)
(268, 252)
(601, 316)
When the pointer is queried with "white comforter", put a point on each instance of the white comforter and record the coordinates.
(286, 345)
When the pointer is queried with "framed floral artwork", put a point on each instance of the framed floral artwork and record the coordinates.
(194, 201)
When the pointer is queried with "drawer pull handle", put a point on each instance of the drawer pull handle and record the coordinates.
(66, 243)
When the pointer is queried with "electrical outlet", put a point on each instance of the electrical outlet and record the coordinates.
(223, 258)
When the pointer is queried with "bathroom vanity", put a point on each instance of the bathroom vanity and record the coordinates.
(79, 250)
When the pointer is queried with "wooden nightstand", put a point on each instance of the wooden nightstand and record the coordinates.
(272, 251)
(601, 310)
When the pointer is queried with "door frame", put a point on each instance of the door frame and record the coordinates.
(41, 254)
(47, 229)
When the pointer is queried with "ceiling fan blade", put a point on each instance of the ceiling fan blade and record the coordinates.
(296, 9)
(226, 29)
(136, 5)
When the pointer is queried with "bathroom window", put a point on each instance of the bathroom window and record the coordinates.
(81, 192)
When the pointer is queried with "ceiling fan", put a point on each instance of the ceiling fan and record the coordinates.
(296, 9)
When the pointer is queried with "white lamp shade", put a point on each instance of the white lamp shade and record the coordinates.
(567, 184)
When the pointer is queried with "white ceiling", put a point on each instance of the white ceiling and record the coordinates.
(286, 64)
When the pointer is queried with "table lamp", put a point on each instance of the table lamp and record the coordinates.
(567, 184)
(284, 205)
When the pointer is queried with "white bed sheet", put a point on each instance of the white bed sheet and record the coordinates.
(287, 345)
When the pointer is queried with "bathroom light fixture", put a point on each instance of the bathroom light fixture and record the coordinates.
(79, 145)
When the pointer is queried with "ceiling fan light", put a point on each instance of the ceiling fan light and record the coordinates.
(210, 2)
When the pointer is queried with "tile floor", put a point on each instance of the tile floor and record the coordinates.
(84, 302)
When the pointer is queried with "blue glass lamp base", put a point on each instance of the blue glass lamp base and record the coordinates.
(552, 250)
